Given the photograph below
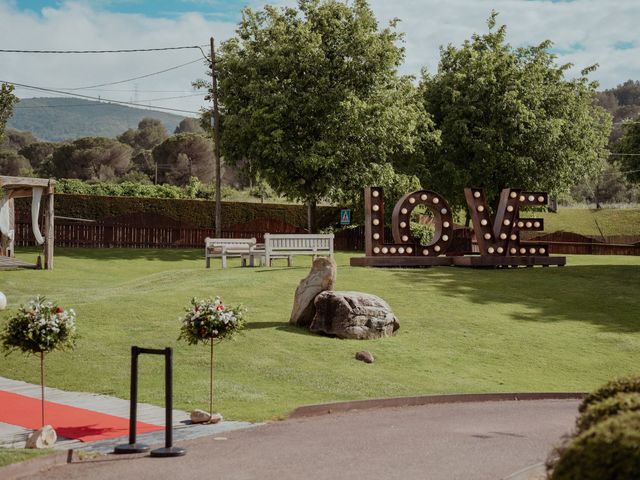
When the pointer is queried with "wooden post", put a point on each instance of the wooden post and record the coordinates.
(216, 140)
(49, 236)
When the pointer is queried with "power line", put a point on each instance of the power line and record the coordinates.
(127, 50)
(134, 78)
(32, 87)
(91, 105)
(625, 154)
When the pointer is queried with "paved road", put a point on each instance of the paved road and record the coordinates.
(488, 440)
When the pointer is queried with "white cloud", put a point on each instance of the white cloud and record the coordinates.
(76, 26)
(593, 25)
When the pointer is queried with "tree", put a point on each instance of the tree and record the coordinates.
(509, 118)
(16, 139)
(7, 101)
(37, 153)
(91, 158)
(189, 125)
(150, 133)
(310, 97)
(14, 164)
(629, 147)
(183, 156)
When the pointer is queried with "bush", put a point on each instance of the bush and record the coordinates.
(599, 411)
(618, 385)
(608, 450)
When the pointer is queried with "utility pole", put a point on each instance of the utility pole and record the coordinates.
(215, 119)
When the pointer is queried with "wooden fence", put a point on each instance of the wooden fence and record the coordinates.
(157, 231)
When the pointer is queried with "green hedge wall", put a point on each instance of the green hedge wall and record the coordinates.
(198, 213)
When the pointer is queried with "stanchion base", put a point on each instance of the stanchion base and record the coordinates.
(131, 448)
(168, 452)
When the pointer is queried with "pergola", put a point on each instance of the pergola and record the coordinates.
(20, 187)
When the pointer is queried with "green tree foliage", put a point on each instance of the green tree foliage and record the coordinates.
(150, 133)
(91, 158)
(14, 164)
(7, 101)
(310, 98)
(38, 153)
(629, 144)
(509, 118)
(189, 125)
(183, 156)
(16, 139)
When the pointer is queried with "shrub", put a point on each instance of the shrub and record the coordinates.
(608, 450)
(618, 385)
(596, 412)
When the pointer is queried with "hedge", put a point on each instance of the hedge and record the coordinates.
(198, 213)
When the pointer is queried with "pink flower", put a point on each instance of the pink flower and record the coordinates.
(59, 310)
(219, 307)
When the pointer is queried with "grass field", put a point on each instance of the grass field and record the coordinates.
(462, 330)
(13, 455)
(612, 221)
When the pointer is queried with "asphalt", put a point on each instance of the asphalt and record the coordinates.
(484, 440)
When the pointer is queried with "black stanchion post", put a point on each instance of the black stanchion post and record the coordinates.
(132, 446)
(169, 450)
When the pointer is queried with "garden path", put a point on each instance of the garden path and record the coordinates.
(15, 436)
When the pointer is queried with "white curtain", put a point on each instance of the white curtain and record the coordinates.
(35, 211)
(5, 219)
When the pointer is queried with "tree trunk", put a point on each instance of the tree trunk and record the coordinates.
(312, 218)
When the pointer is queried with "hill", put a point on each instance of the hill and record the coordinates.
(56, 119)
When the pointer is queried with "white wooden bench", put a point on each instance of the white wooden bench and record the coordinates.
(226, 247)
(286, 245)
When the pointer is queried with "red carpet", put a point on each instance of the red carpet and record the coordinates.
(70, 422)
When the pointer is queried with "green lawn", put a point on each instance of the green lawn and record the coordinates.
(13, 455)
(612, 221)
(462, 330)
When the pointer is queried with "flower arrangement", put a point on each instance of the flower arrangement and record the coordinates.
(38, 328)
(210, 321)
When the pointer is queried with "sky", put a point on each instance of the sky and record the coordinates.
(583, 32)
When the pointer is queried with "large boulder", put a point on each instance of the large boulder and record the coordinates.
(321, 277)
(353, 315)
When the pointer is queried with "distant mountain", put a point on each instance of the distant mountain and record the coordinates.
(56, 119)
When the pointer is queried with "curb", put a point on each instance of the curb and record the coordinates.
(532, 472)
(28, 468)
(340, 407)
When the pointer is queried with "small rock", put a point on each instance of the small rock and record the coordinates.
(199, 416)
(365, 356)
(44, 437)
(321, 277)
(215, 418)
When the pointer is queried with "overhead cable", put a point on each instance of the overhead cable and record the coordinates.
(51, 90)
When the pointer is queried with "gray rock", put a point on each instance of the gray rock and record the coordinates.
(44, 437)
(200, 416)
(353, 315)
(365, 356)
(321, 277)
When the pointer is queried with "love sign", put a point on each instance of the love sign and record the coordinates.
(498, 236)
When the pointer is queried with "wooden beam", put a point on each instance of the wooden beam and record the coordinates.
(49, 231)
(8, 182)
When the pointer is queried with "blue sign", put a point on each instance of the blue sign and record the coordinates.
(345, 216)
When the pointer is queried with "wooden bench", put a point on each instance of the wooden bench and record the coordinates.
(226, 247)
(286, 245)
